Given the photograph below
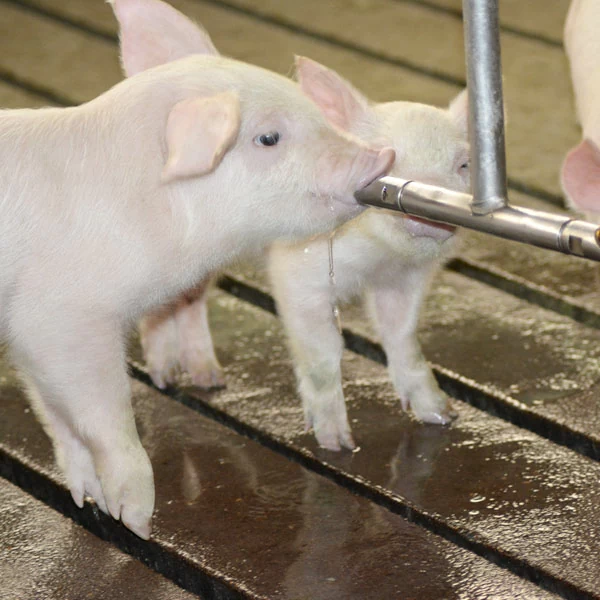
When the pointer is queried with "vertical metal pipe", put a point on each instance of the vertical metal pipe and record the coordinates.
(486, 108)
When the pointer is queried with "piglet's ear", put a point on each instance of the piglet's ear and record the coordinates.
(199, 133)
(153, 33)
(459, 110)
(338, 100)
(580, 177)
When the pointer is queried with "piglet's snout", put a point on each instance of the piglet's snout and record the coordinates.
(349, 167)
(370, 165)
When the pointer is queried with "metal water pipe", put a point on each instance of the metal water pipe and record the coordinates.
(487, 208)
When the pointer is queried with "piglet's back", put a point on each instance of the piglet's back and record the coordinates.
(62, 201)
(30, 167)
(42, 152)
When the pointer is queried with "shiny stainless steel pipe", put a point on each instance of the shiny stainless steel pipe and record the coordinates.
(486, 107)
(558, 232)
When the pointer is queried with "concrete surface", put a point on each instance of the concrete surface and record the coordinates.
(231, 509)
(45, 555)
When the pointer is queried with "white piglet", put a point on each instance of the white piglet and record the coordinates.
(387, 257)
(113, 207)
(580, 174)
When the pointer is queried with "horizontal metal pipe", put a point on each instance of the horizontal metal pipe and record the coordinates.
(559, 232)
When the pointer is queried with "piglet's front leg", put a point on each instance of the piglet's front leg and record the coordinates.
(176, 338)
(74, 371)
(396, 310)
(317, 348)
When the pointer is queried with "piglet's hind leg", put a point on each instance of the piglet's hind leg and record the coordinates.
(176, 338)
(196, 351)
(396, 311)
(160, 346)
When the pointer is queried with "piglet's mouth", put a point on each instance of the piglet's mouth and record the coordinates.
(435, 224)
(418, 227)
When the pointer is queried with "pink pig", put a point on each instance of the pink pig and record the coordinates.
(111, 208)
(581, 169)
(384, 257)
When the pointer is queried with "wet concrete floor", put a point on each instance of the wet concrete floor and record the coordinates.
(480, 478)
(501, 504)
(45, 555)
(228, 505)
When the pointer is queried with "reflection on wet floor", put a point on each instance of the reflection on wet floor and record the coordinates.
(271, 524)
(480, 474)
(315, 537)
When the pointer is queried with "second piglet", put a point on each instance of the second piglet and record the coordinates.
(111, 208)
(388, 258)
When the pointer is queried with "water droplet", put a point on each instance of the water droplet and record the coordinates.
(334, 308)
(477, 498)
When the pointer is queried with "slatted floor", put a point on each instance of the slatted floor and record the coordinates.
(503, 504)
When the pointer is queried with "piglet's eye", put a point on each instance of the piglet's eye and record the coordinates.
(464, 166)
(267, 139)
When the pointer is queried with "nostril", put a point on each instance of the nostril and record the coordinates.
(380, 166)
